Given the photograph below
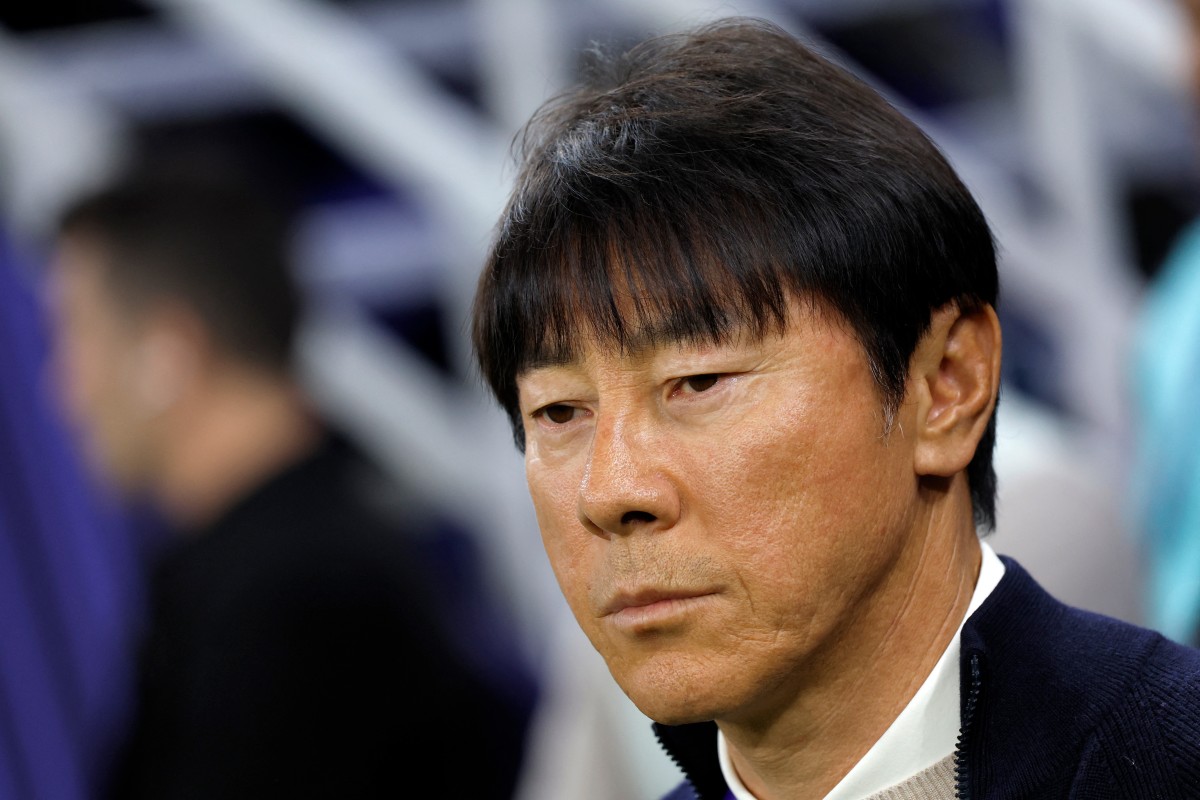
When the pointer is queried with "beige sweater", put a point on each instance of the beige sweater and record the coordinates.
(932, 783)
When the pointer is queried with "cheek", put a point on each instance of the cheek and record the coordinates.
(569, 547)
(805, 503)
(85, 372)
(793, 459)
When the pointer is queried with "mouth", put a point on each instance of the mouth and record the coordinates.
(647, 609)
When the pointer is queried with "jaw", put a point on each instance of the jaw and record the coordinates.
(702, 673)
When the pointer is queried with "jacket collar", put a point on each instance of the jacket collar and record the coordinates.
(1018, 634)
(1037, 680)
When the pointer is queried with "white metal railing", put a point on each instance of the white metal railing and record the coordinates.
(54, 140)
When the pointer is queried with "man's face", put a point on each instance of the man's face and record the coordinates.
(718, 517)
(97, 346)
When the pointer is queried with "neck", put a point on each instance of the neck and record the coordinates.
(862, 682)
(243, 427)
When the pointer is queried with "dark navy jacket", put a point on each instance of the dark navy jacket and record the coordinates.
(1056, 703)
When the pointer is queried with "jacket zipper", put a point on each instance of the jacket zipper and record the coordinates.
(682, 769)
(961, 775)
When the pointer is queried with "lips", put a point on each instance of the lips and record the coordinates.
(648, 608)
(642, 598)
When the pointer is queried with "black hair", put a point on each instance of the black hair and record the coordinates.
(687, 188)
(204, 237)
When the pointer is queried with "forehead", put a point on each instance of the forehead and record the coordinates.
(75, 273)
(79, 284)
(80, 258)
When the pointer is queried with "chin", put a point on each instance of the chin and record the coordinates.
(677, 716)
(675, 696)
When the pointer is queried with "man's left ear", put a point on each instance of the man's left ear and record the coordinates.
(954, 376)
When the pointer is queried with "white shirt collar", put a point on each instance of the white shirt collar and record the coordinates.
(924, 733)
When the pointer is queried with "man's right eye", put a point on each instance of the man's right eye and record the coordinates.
(558, 414)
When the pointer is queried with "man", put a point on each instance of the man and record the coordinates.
(298, 642)
(740, 312)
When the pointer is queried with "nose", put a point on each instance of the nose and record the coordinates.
(626, 486)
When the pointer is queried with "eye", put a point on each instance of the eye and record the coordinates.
(558, 413)
(699, 383)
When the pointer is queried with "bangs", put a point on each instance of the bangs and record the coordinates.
(624, 285)
(622, 275)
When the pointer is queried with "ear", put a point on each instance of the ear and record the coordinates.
(170, 353)
(954, 376)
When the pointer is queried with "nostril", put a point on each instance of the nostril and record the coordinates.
(637, 516)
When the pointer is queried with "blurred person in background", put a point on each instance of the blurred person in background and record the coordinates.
(741, 314)
(1166, 386)
(299, 642)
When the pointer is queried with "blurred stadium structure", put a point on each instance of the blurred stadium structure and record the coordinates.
(389, 122)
